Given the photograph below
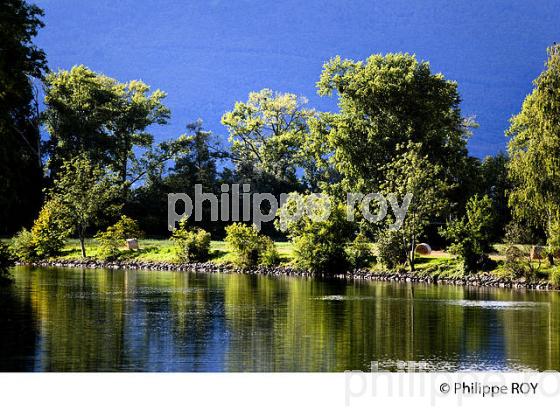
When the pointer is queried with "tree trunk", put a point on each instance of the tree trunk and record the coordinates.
(83, 243)
(412, 246)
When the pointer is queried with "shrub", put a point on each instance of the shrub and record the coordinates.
(359, 252)
(249, 247)
(47, 236)
(319, 256)
(50, 230)
(391, 249)
(191, 245)
(269, 254)
(23, 246)
(555, 277)
(115, 236)
(515, 263)
(470, 236)
(319, 240)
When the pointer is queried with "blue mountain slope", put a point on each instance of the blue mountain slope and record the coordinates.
(208, 54)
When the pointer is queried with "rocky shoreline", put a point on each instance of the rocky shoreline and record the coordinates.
(478, 280)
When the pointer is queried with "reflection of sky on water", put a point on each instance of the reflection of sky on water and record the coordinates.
(68, 320)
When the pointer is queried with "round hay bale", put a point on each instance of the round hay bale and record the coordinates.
(423, 249)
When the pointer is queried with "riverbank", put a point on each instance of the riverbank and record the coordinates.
(478, 280)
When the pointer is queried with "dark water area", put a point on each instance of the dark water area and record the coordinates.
(99, 320)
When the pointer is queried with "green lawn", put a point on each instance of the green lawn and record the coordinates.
(160, 250)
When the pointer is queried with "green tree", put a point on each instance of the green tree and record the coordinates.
(136, 110)
(534, 150)
(47, 235)
(385, 102)
(321, 239)
(79, 106)
(197, 164)
(114, 236)
(411, 175)
(249, 247)
(195, 155)
(87, 112)
(470, 236)
(267, 133)
(85, 192)
(50, 229)
(21, 64)
(496, 184)
(191, 245)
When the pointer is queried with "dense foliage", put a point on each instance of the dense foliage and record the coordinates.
(22, 65)
(398, 131)
(391, 249)
(192, 245)
(94, 114)
(387, 101)
(411, 175)
(470, 235)
(267, 134)
(47, 236)
(114, 237)
(320, 238)
(86, 193)
(359, 252)
(534, 150)
(249, 247)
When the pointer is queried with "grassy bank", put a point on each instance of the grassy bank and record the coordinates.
(161, 250)
(438, 263)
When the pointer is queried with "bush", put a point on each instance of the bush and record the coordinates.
(249, 247)
(359, 252)
(515, 263)
(391, 249)
(470, 236)
(50, 230)
(47, 236)
(319, 255)
(269, 254)
(555, 277)
(192, 245)
(23, 246)
(6, 260)
(319, 241)
(115, 236)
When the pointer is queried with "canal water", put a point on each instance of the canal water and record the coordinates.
(111, 320)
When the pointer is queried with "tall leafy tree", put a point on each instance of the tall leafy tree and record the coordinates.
(386, 101)
(267, 134)
(534, 150)
(21, 63)
(94, 114)
(496, 185)
(471, 235)
(194, 163)
(411, 173)
(80, 105)
(198, 164)
(136, 110)
(85, 192)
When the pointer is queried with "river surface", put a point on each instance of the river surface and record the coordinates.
(101, 320)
